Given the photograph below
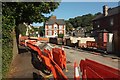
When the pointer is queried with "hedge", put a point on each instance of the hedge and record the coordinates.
(7, 45)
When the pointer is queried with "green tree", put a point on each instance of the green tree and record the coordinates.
(69, 26)
(41, 31)
(22, 29)
(83, 21)
(15, 13)
(27, 12)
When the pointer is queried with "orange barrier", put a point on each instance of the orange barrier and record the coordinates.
(22, 38)
(99, 45)
(76, 72)
(59, 57)
(91, 44)
(48, 61)
(40, 39)
(43, 39)
(94, 70)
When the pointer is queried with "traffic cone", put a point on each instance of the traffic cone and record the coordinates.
(76, 72)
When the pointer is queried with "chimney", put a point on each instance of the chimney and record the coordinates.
(105, 10)
(53, 17)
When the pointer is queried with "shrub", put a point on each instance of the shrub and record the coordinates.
(60, 35)
(7, 45)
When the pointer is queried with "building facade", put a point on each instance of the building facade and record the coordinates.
(54, 26)
(106, 28)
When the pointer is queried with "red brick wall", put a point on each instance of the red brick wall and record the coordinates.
(52, 32)
(47, 32)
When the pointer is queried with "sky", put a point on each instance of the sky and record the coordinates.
(68, 10)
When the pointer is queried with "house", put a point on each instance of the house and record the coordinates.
(77, 32)
(54, 26)
(106, 27)
(80, 32)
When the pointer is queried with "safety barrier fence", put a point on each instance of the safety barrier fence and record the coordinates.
(59, 57)
(48, 60)
(98, 45)
(97, 71)
(55, 61)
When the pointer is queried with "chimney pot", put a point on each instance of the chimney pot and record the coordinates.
(105, 10)
(53, 17)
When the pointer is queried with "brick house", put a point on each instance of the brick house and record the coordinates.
(106, 28)
(54, 26)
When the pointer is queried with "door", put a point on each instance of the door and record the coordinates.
(110, 42)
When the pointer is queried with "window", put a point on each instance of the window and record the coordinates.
(111, 22)
(55, 26)
(49, 33)
(60, 32)
(55, 33)
(50, 27)
(98, 25)
(60, 27)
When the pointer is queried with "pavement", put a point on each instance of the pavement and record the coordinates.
(21, 66)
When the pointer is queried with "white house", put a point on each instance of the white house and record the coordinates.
(54, 26)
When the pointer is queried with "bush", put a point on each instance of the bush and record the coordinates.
(6, 58)
(60, 35)
(7, 45)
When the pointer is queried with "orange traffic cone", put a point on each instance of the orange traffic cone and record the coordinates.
(76, 72)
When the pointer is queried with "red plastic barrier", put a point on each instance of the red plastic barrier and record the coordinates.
(59, 57)
(64, 59)
(103, 66)
(49, 62)
(91, 74)
(82, 65)
(82, 68)
(91, 44)
(22, 38)
(92, 69)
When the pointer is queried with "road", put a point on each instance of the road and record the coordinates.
(78, 54)
(21, 66)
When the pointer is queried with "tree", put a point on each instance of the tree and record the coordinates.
(22, 29)
(41, 31)
(69, 26)
(83, 21)
(28, 12)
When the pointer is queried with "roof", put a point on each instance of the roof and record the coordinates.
(98, 17)
(111, 11)
(53, 21)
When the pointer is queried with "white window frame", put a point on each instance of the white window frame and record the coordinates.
(50, 27)
(60, 27)
(55, 26)
(49, 33)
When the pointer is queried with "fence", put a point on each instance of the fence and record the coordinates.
(94, 70)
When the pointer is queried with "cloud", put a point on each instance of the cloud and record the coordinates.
(37, 24)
